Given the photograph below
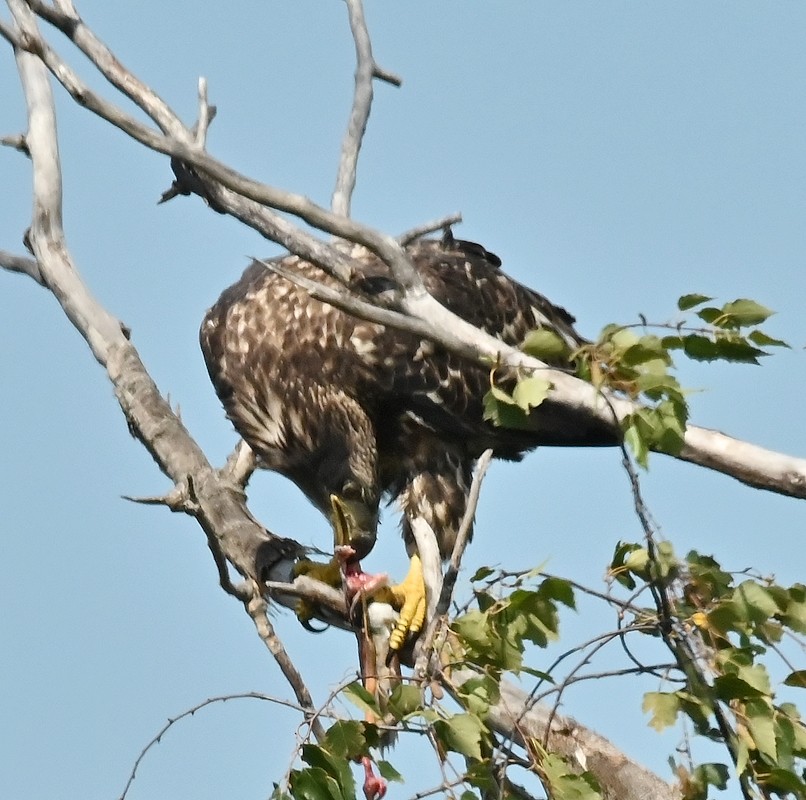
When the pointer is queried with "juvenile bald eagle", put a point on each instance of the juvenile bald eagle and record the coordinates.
(353, 412)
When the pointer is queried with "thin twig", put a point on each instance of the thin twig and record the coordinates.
(16, 142)
(66, 19)
(411, 235)
(205, 117)
(191, 712)
(23, 264)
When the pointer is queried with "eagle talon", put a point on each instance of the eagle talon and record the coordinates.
(328, 573)
(410, 599)
(306, 623)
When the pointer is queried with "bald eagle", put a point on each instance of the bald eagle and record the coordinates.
(353, 412)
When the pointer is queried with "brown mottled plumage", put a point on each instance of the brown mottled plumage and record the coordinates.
(348, 408)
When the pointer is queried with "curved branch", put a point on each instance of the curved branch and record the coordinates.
(190, 712)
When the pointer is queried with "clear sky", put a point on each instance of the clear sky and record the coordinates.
(615, 155)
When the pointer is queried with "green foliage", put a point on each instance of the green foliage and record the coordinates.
(494, 635)
(563, 784)
(719, 631)
(639, 364)
(511, 410)
(328, 774)
(719, 627)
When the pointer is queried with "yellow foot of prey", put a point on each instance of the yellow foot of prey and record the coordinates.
(328, 573)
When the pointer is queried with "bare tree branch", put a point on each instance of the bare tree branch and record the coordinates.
(748, 463)
(215, 497)
(441, 224)
(221, 512)
(365, 72)
(240, 465)
(24, 264)
(16, 142)
(65, 18)
(439, 617)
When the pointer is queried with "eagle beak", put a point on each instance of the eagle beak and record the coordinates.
(353, 525)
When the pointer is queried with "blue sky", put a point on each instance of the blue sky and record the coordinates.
(615, 155)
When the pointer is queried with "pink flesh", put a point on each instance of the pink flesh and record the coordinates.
(374, 785)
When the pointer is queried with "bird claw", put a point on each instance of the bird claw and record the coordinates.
(410, 600)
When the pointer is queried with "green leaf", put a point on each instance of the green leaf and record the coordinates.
(345, 738)
(500, 395)
(663, 706)
(756, 676)
(673, 342)
(279, 794)
(742, 313)
(314, 784)
(559, 590)
(762, 340)
(711, 775)
(479, 694)
(737, 351)
(500, 409)
(461, 733)
(795, 614)
(336, 767)
(731, 687)
(531, 392)
(634, 439)
(761, 726)
(617, 564)
(389, 772)
(481, 573)
(688, 301)
(699, 348)
(360, 697)
(784, 782)
(645, 351)
(710, 314)
(474, 629)
(796, 678)
(564, 784)
(756, 603)
(546, 344)
(637, 561)
(405, 699)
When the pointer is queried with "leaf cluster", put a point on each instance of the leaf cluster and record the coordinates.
(494, 635)
(327, 774)
(634, 361)
(719, 630)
